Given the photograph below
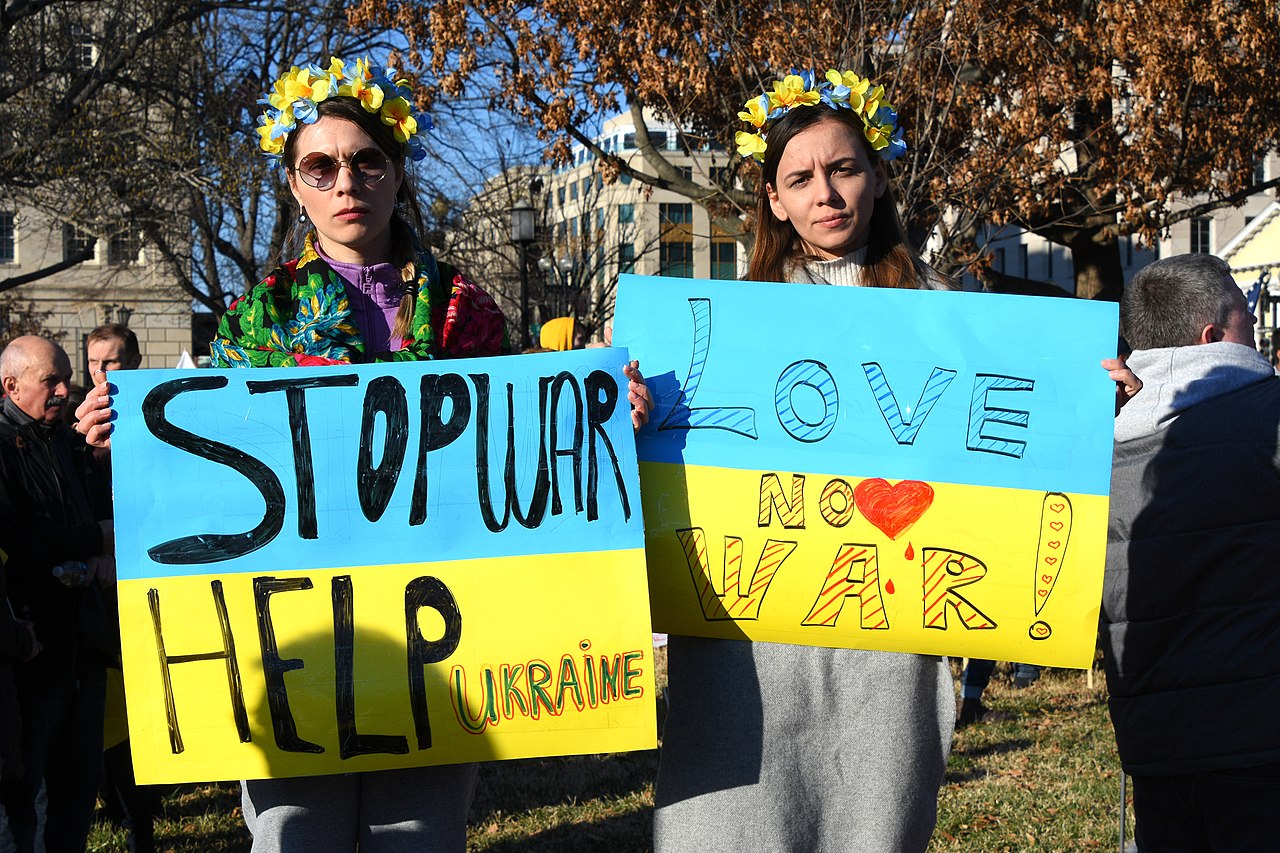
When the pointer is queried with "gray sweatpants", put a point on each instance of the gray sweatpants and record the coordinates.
(419, 810)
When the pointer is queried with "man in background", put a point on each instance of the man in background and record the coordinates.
(55, 527)
(1191, 595)
(112, 347)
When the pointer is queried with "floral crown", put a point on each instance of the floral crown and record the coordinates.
(840, 90)
(293, 99)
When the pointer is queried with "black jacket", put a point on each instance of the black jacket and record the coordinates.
(52, 495)
(15, 644)
(1191, 604)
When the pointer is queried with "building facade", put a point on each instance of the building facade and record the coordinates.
(118, 283)
(1024, 255)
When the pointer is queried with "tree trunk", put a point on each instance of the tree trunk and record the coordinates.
(1099, 274)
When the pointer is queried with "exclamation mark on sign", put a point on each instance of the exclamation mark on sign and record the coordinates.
(1055, 533)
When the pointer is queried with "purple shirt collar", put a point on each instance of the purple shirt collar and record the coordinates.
(374, 294)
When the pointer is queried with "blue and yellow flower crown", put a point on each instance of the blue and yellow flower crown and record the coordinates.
(840, 90)
(294, 96)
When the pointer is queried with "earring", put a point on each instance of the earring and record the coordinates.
(302, 217)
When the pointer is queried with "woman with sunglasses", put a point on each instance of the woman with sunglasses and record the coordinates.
(356, 285)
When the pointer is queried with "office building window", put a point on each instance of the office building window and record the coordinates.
(600, 218)
(77, 243)
(560, 196)
(626, 213)
(1025, 251)
(1200, 235)
(573, 227)
(724, 260)
(624, 178)
(8, 238)
(675, 258)
(627, 257)
(586, 187)
(686, 172)
(675, 214)
(573, 191)
(83, 51)
(123, 248)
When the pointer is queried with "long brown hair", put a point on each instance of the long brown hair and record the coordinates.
(890, 262)
(406, 220)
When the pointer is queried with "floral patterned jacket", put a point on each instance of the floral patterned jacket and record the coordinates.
(300, 315)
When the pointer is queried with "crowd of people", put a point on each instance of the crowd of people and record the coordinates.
(853, 744)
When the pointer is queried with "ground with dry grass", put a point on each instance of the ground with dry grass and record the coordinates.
(1044, 776)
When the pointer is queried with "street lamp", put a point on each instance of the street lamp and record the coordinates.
(522, 234)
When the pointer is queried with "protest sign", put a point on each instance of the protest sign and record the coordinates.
(337, 569)
(867, 468)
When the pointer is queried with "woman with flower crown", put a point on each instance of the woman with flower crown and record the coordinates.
(356, 285)
(780, 747)
(360, 287)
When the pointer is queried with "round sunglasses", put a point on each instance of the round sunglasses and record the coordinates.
(319, 170)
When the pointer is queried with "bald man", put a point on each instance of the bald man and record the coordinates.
(54, 514)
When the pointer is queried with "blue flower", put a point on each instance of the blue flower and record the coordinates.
(897, 147)
(305, 111)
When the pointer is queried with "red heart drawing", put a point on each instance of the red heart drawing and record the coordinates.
(1047, 578)
(1057, 507)
(1042, 592)
(1054, 544)
(1051, 560)
(893, 508)
(1056, 525)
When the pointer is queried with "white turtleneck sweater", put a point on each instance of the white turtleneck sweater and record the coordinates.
(846, 271)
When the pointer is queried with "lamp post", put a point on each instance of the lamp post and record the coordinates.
(522, 234)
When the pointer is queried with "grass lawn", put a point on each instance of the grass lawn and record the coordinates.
(1045, 777)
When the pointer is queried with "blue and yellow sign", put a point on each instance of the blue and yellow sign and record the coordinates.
(327, 570)
(882, 469)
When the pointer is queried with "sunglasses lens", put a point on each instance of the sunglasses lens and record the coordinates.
(369, 165)
(319, 170)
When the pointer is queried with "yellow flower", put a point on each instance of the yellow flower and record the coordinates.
(756, 113)
(266, 142)
(856, 85)
(876, 137)
(337, 68)
(790, 92)
(398, 113)
(750, 144)
(299, 84)
(370, 96)
(874, 101)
